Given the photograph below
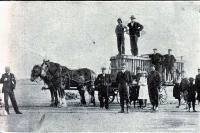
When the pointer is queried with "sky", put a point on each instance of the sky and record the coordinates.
(64, 32)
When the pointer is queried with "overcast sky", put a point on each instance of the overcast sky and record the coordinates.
(64, 32)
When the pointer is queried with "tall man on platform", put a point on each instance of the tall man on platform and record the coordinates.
(168, 65)
(123, 80)
(156, 59)
(9, 83)
(134, 33)
(119, 31)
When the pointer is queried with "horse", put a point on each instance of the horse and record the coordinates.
(54, 84)
(59, 78)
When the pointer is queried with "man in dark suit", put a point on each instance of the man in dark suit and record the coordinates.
(197, 84)
(119, 31)
(168, 65)
(134, 33)
(153, 81)
(103, 82)
(156, 59)
(123, 80)
(9, 83)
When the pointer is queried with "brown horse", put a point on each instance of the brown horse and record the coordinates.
(59, 78)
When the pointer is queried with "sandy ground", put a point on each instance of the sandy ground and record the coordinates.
(39, 117)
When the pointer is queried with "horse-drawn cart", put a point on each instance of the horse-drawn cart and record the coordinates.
(144, 63)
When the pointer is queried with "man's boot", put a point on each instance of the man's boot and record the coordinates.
(18, 112)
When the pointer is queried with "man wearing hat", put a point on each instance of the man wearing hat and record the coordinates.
(123, 80)
(9, 83)
(119, 30)
(153, 82)
(103, 82)
(156, 59)
(168, 65)
(197, 84)
(134, 33)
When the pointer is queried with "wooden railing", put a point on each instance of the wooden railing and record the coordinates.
(143, 62)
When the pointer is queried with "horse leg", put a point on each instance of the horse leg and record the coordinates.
(92, 92)
(82, 95)
(56, 98)
(52, 97)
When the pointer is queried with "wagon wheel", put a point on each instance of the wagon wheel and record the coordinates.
(163, 95)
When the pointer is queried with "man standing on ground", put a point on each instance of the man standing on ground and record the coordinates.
(119, 30)
(197, 84)
(9, 83)
(123, 80)
(102, 82)
(134, 33)
(153, 81)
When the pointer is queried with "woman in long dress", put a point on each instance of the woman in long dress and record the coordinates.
(143, 91)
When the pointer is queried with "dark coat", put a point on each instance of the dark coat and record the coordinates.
(169, 61)
(184, 84)
(135, 29)
(191, 92)
(197, 82)
(177, 91)
(103, 80)
(9, 84)
(154, 79)
(156, 59)
(119, 30)
(123, 78)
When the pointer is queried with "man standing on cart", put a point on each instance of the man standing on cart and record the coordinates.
(153, 81)
(156, 59)
(134, 33)
(168, 64)
(102, 82)
(119, 31)
(123, 80)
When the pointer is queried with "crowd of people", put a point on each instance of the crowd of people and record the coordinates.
(139, 87)
(132, 88)
(187, 89)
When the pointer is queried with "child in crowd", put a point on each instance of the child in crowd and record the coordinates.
(143, 91)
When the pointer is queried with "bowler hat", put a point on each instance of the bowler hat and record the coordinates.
(155, 49)
(132, 16)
